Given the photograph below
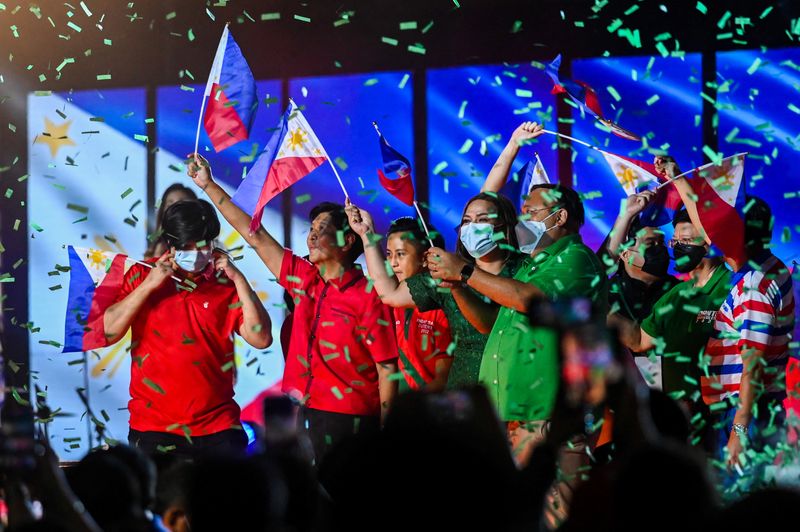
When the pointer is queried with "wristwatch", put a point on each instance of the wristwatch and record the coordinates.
(738, 428)
(466, 272)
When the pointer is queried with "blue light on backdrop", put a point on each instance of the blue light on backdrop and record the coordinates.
(472, 112)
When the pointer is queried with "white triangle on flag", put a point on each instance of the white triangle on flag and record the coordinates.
(216, 66)
(725, 178)
(629, 175)
(300, 139)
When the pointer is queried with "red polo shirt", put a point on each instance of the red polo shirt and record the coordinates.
(183, 370)
(340, 330)
(422, 340)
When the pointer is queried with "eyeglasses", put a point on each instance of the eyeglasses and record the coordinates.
(686, 241)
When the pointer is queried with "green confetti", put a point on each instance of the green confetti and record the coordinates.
(523, 93)
(613, 92)
(190, 35)
(303, 198)
(370, 82)
(754, 66)
(103, 77)
(389, 40)
(302, 18)
(270, 16)
(142, 138)
(439, 167)
(154, 386)
(126, 193)
(403, 81)
(653, 99)
(74, 26)
(792, 107)
(340, 163)
(702, 8)
(465, 147)
(411, 25)
(417, 49)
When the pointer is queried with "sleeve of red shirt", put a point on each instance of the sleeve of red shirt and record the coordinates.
(133, 278)
(442, 338)
(377, 324)
(235, 317)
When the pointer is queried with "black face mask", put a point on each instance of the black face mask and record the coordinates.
(656, 260)
(693, 253)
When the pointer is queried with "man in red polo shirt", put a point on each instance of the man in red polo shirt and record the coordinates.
(343, 350)
(183, 368)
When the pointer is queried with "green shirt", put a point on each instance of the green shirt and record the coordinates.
(469, 343)
(520, 362)
(681, 323)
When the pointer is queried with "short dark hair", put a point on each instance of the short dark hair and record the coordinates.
(681, 217)
(758, 223)
(340, 222)
(569, 200)
(506, 213)
(412, 231)
(190, 221)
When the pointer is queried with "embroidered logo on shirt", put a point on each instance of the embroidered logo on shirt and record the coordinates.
(706, 316)
(205, 304)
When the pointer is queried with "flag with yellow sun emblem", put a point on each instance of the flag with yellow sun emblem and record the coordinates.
(293, 152)
(95, 279)
(630, 173)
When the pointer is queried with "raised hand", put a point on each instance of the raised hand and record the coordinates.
(360, 220)
(666, 166)
(527, 131)
(224, 263)
(199, 170)
(163, 269)
(444, 265)
(636, 203)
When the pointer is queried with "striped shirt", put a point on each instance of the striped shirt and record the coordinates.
(758, 314)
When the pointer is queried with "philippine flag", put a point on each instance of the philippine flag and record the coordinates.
(401, 188)
(293, 152)
(720, 204)
(95, 279)
(533, 173)
(232, 98)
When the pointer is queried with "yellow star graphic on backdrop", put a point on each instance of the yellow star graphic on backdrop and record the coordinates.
(55, 136)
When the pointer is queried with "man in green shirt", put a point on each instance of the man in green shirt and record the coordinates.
(682, 320)
(520, 363)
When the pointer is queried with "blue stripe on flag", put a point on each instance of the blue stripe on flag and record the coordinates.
(238, 83)
(79, 303)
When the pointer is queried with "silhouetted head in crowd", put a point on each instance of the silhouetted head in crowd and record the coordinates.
(768, 509)
(109, 490)
(663, 488)
(230, 493)
(172, 494)
(330, 238)
(406, 244)
(142, 467)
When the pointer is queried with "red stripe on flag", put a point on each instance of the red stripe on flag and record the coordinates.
(401, 188)
(282, 174)
(105, 294)
(722, 222)
(223, 124)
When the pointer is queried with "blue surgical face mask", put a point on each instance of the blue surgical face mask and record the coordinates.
(192, 260)
(530, 232)
(477, 238)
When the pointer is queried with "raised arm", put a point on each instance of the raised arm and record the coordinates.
(498, 175)
(478, 313)
(265, 246)
(634, 205)
(119, 316)
(256, 328)
(391, 291)
(631, 334)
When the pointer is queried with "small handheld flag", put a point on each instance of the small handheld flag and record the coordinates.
(585, 97)
(401, 188)
(533, 173)
(231, 95)
(293, 152)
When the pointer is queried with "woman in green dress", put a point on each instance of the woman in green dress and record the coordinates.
(487, 241)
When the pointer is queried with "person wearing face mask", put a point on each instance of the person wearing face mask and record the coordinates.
(423, 338)
(343, 350)
(520, 362)
(486, 242)
(682, 320)
(182, 338)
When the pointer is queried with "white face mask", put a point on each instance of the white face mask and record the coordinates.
(477, 238)
(530, 232)
(192, 260)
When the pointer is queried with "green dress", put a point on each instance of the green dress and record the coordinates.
(468, 342)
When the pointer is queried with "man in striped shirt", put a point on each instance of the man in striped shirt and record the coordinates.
(748, 353)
